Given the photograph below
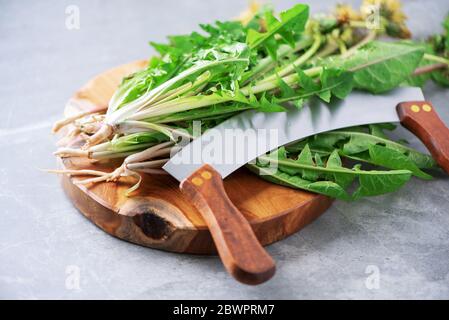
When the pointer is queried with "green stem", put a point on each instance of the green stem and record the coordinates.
(150, 96)
(113, 149)
(369, 37)
(294, 164)
(429, 68)
(110, 154)
(178, 105)
(186, 88)
(342, 47)
(431, 57)
(273, 84)
(190, 103)
(363, 134)
(267, 63)
(288, 69)
(201, 114)
(329, 48)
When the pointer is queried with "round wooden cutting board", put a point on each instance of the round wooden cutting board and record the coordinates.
(158, 215)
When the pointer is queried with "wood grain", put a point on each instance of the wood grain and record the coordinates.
(421, 119)
(159, 215)
(238, 247)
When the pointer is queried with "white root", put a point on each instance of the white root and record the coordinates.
(84, 136)
(81, 172)
(135, 186)
(68, 137)
(104, 133)
(102, 178)
(147, 154)
(73, 133)
(90, 128)
(161, 153)
(71, 152)
(147, 164)
(64, 122)
(117, 173)
(132, 165)
(105, 176)
(122, 171)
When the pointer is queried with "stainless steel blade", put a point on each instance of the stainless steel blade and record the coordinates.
(357, 109)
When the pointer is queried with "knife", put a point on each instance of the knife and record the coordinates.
(201, 173)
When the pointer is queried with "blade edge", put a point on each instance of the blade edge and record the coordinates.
(316, 117)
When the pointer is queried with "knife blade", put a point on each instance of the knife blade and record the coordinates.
(357, 109)
(202, 164)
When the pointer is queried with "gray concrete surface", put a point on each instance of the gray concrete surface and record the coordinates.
(45, 242)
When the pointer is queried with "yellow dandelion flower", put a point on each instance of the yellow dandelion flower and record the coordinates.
(346, 13)
(392, 5)
(371, 2)
(246, 16)
(368, 8)
(398, 17)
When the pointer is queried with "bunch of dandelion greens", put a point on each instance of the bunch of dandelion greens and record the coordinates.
(263, 64)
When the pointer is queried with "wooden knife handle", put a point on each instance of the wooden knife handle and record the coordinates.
(237, 245)
(422, 120)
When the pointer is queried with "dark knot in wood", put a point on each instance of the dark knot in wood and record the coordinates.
(153, 225)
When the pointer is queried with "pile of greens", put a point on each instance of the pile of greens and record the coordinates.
(262, 63)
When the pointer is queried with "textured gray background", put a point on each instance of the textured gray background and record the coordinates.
(405, 234)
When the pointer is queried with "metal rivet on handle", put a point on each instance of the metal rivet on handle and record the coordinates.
(197, 181)
(426, 108)
(415, 108)
(206, 175)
